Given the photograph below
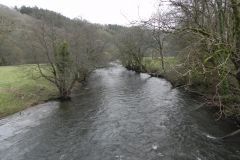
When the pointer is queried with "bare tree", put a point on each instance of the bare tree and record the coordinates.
(133, 45)
(59, 67)
(158, 24)
(88, 47)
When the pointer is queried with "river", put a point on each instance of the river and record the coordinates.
(118, 115)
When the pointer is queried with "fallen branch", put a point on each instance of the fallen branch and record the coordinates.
(231, 134)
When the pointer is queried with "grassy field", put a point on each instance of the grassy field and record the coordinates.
(21, 87)
(172, 69)
(154, 65)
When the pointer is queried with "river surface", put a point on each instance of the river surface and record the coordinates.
(118, 115)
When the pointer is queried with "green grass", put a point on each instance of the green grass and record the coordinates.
(21, 87)
(154, 65)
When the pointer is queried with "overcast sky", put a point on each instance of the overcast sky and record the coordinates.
(96, 11)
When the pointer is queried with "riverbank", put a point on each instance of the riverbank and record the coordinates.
(22, 87)
(178, 76)
(153, 67)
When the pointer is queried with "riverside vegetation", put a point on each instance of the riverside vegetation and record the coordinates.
(203, 36)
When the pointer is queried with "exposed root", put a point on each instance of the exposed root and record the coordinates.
(200, 106)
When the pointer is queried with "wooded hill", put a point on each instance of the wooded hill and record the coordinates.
(22, 27)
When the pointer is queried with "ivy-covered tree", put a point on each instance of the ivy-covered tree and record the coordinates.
(62, 71)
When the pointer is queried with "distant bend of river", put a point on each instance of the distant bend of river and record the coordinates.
(118, 115)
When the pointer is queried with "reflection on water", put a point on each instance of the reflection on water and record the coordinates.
(117, 115)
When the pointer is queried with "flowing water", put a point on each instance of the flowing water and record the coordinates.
(118, 115)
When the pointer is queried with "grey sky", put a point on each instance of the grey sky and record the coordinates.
(96, 11)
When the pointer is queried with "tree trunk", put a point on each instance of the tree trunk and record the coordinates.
(220, 19)
(236, 54)
(162, 59)
(64, 94)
